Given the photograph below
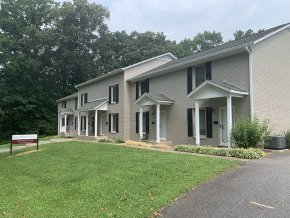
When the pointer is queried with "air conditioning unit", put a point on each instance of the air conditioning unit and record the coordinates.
(276, 142)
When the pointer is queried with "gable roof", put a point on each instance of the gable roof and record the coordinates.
(74, 95)
(121, 70)
(231, 47)
(92, 105)
(158, 98)
(221, 85)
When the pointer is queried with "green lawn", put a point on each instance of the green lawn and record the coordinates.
(81, 179)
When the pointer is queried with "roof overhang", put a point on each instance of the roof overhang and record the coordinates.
(210, 89)
(66, 111)
(195, 61)
(90, 106)
(120, 70)
(147, 100)
(72, 96)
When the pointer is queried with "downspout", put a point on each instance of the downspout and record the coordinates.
(249, 50)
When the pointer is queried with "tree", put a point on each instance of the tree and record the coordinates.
(200, 42)
(45, 49)
(240, 33)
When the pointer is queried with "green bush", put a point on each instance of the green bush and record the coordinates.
(250, 153)
(119, 141)
(287, 136)
(250, 133)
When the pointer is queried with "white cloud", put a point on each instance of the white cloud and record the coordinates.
(180, 19)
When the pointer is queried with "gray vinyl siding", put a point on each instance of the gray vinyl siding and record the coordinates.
(271, 80)
(100, 89)
(70, 103)
(174, 85)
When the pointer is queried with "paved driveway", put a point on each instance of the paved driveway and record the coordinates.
(260, 188)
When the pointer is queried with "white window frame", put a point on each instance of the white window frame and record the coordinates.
(112, 123)
(197, 67)
(114, 87)
(83, 98)
(140, 85)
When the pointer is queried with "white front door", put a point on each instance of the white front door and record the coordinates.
(103, 124)
(163, 125)
(224, 126)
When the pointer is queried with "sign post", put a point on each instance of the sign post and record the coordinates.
(23, 139)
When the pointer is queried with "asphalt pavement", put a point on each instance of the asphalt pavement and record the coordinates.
(258, 188)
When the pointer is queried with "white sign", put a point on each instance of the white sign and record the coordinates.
(29, 136)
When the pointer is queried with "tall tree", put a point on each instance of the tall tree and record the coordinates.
(240, 33)
(200, 42)
(45, 49)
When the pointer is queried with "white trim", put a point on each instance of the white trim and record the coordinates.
(112, 122)
(220, 122)
(251, 81)
(196, 120)
(96, 123)
(121, 70)
(271, 34)
(153, 99)
(218, 86)
(141, 123)
(151, 59)
(158, 123)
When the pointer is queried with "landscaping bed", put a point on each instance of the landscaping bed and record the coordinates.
(250, 153)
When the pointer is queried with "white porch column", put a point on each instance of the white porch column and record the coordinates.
(157, 122)
(87, 123)
(229, 119)
(79, 123)
(96, 123)
(65, 124)
(197, 133)
(141, 123)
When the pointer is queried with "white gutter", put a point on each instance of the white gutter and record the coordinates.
(249, 50)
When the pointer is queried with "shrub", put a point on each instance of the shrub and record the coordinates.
(250, 153)
(119, 141)
(250, 133)
(287, 136)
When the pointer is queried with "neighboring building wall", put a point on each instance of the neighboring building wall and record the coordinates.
(71, 123)
(235, 70)
(271, 80)
(100, 89)
(129, 73)
(174, 85)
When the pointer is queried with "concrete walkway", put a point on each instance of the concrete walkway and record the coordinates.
(259, 188)
(18, 147)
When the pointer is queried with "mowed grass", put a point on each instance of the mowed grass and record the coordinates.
(81, 179)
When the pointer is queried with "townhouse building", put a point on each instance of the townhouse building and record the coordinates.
(191, 100)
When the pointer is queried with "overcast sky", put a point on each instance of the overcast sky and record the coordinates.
(180, 19)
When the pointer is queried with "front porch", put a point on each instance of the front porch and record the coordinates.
(92, 119)
(216, 93)
(66, 121)
(159, 102)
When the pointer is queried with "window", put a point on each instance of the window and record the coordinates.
(114, 94)
(83, 123)
(84, 98)
(114, 120)
(202, 122)
(63, 104)
(142, 87)
(199, 75)
(76, 103)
